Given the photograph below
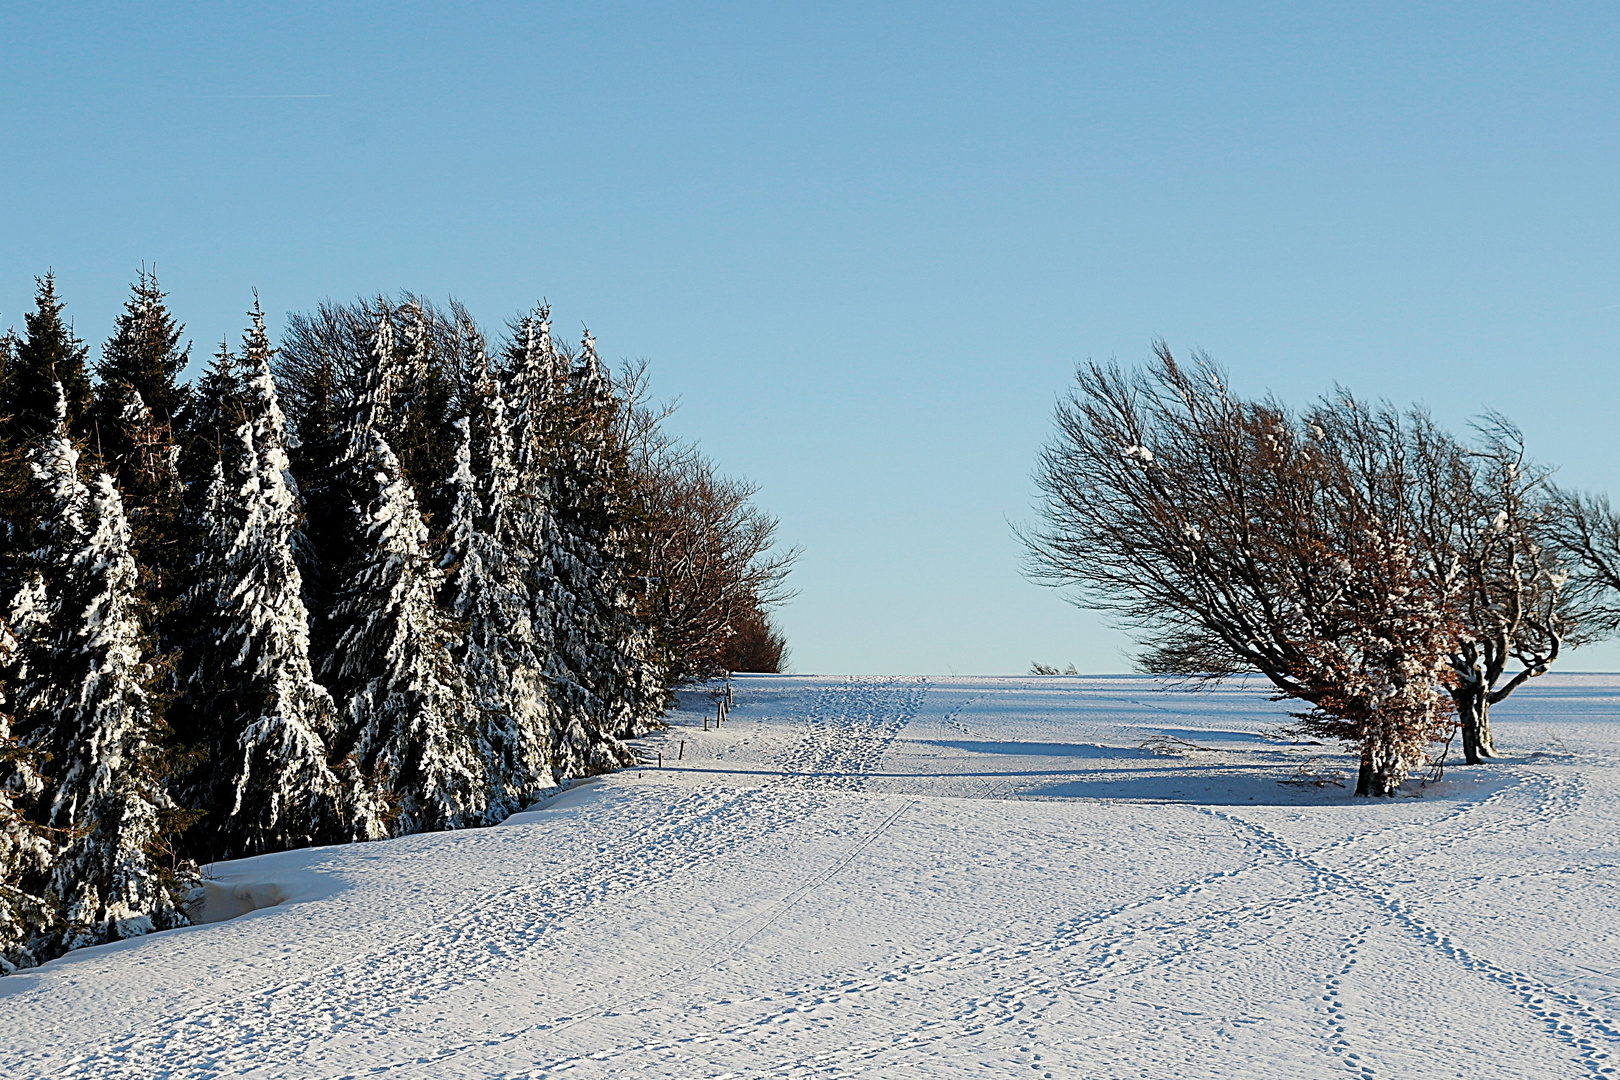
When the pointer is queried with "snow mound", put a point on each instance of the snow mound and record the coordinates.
(217, 903)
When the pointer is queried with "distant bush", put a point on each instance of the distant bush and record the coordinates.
(756, 645)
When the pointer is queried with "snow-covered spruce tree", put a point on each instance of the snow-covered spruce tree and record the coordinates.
(147, 472)
(25, 847)
(137, 411)
(322, 372)
(424, 404)
(89, 716)
(485, 591)
(267, 783)
(560, 562)
(603, 548)
(408, 709)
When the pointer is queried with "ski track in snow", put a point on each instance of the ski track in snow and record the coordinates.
(974, 989)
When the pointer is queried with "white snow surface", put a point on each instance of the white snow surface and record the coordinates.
(929, 877)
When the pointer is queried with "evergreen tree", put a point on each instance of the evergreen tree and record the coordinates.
(323, 544)
(8, 353)
(90, 715)
(25, 850)
(47, 356)
(498, 649)
(137, 408)
(215, 409)
(147, 470)
(211, 451)
(605, 681)
(18, 512)
(537, 380)
(314, 371)
(144, 356)
(423, 406)
(409, 709)
(599, 531)
(268, 722)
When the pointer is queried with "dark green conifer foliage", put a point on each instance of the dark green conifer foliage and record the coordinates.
(424, 406)
(217, 407)
(144, 355)
(325, 544)
(8, 356)
(47, 355)
(138, 406)
(17, 510)
(321, 371)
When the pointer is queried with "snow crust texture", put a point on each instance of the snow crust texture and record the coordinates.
(1046, 877)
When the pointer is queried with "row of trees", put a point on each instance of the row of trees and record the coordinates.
(1396, 580)
(385, 579)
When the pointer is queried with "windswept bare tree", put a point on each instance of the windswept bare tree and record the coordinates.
(1236, 537)
(1483, 511)
(1585, 532)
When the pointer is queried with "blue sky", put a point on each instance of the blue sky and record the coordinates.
(864, 244)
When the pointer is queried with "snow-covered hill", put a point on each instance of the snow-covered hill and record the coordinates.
(1047, 877)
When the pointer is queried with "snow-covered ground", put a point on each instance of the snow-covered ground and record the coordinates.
(918, 877)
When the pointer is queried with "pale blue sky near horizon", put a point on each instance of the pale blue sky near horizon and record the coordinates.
(867, 244)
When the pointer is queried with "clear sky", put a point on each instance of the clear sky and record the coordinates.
(867, 244)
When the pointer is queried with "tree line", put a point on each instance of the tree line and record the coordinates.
(387, 577)
(1395, 580)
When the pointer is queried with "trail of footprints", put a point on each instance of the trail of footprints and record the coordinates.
(1103, 941)
(1335, 1006)
(493, 930)
(1558, 1012)
(848, 730)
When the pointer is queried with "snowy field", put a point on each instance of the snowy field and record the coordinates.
(1044, 877)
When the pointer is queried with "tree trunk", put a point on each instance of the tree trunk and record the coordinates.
(1364, 778)
(1381, 773)
(1474, 716)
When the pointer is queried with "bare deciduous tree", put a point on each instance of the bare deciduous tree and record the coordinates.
(1585, 531)
(1237, 538)
(755, 644)
(709, 547)
(1482, 512)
